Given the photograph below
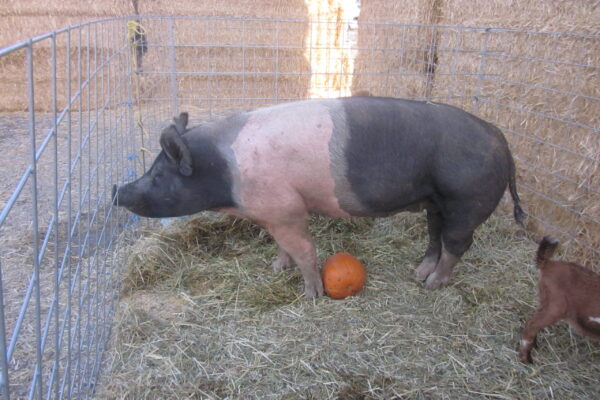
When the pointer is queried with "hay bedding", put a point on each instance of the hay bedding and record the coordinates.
(201, 316)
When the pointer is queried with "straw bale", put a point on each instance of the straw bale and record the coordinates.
(228, 47)
(16, 28)
(45, 8)
(16, 84)
(290, 9)
(579, 16)
(223, 62)
(22, 19)
(393, 60)
(105, 40)
(410, 11)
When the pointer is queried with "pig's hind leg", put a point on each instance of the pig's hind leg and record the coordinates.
(455, 241)
(443, 270)
(460, 218)
(456, 238)
(432, 254)
(295, 240)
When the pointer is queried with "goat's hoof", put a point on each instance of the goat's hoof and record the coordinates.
(525, 358)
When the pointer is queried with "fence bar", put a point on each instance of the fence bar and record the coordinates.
(4, 382)
(481, 73)
(68, 316)
(37, 384)
(56, 368)
(77, 222)
(173, 59)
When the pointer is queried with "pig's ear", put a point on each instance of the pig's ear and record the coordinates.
(176, 149)
(181, 122)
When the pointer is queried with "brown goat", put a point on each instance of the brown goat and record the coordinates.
(566, 291)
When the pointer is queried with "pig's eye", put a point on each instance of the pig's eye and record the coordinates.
(156, 179)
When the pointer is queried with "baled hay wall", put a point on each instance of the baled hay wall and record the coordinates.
(222, 62)
(276, 50)
(20, 20)
(292, 9)
(541, 89)
(23, 19)
(393, 60)
(219, 65)
(88, 48)
(576, 16)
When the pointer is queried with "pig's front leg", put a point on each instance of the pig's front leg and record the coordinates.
(283, 260)
(294, 239)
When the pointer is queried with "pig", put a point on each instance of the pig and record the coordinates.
(347, 157)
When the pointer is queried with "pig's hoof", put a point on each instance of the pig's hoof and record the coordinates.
(435, 281)
(280, 264)
(313, 290)
(425, 269)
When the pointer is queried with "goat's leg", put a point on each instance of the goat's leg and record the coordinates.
(543, 317)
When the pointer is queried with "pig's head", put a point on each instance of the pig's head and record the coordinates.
(189, 175)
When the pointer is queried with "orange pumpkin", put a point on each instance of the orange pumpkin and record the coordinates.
(343, 276)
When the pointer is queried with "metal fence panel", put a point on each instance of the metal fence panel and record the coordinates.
(58, 231)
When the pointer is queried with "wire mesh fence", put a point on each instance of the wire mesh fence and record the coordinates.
(58, 234)
(95, 105)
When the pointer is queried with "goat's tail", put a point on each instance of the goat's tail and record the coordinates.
(512, 186)
(545, 250)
